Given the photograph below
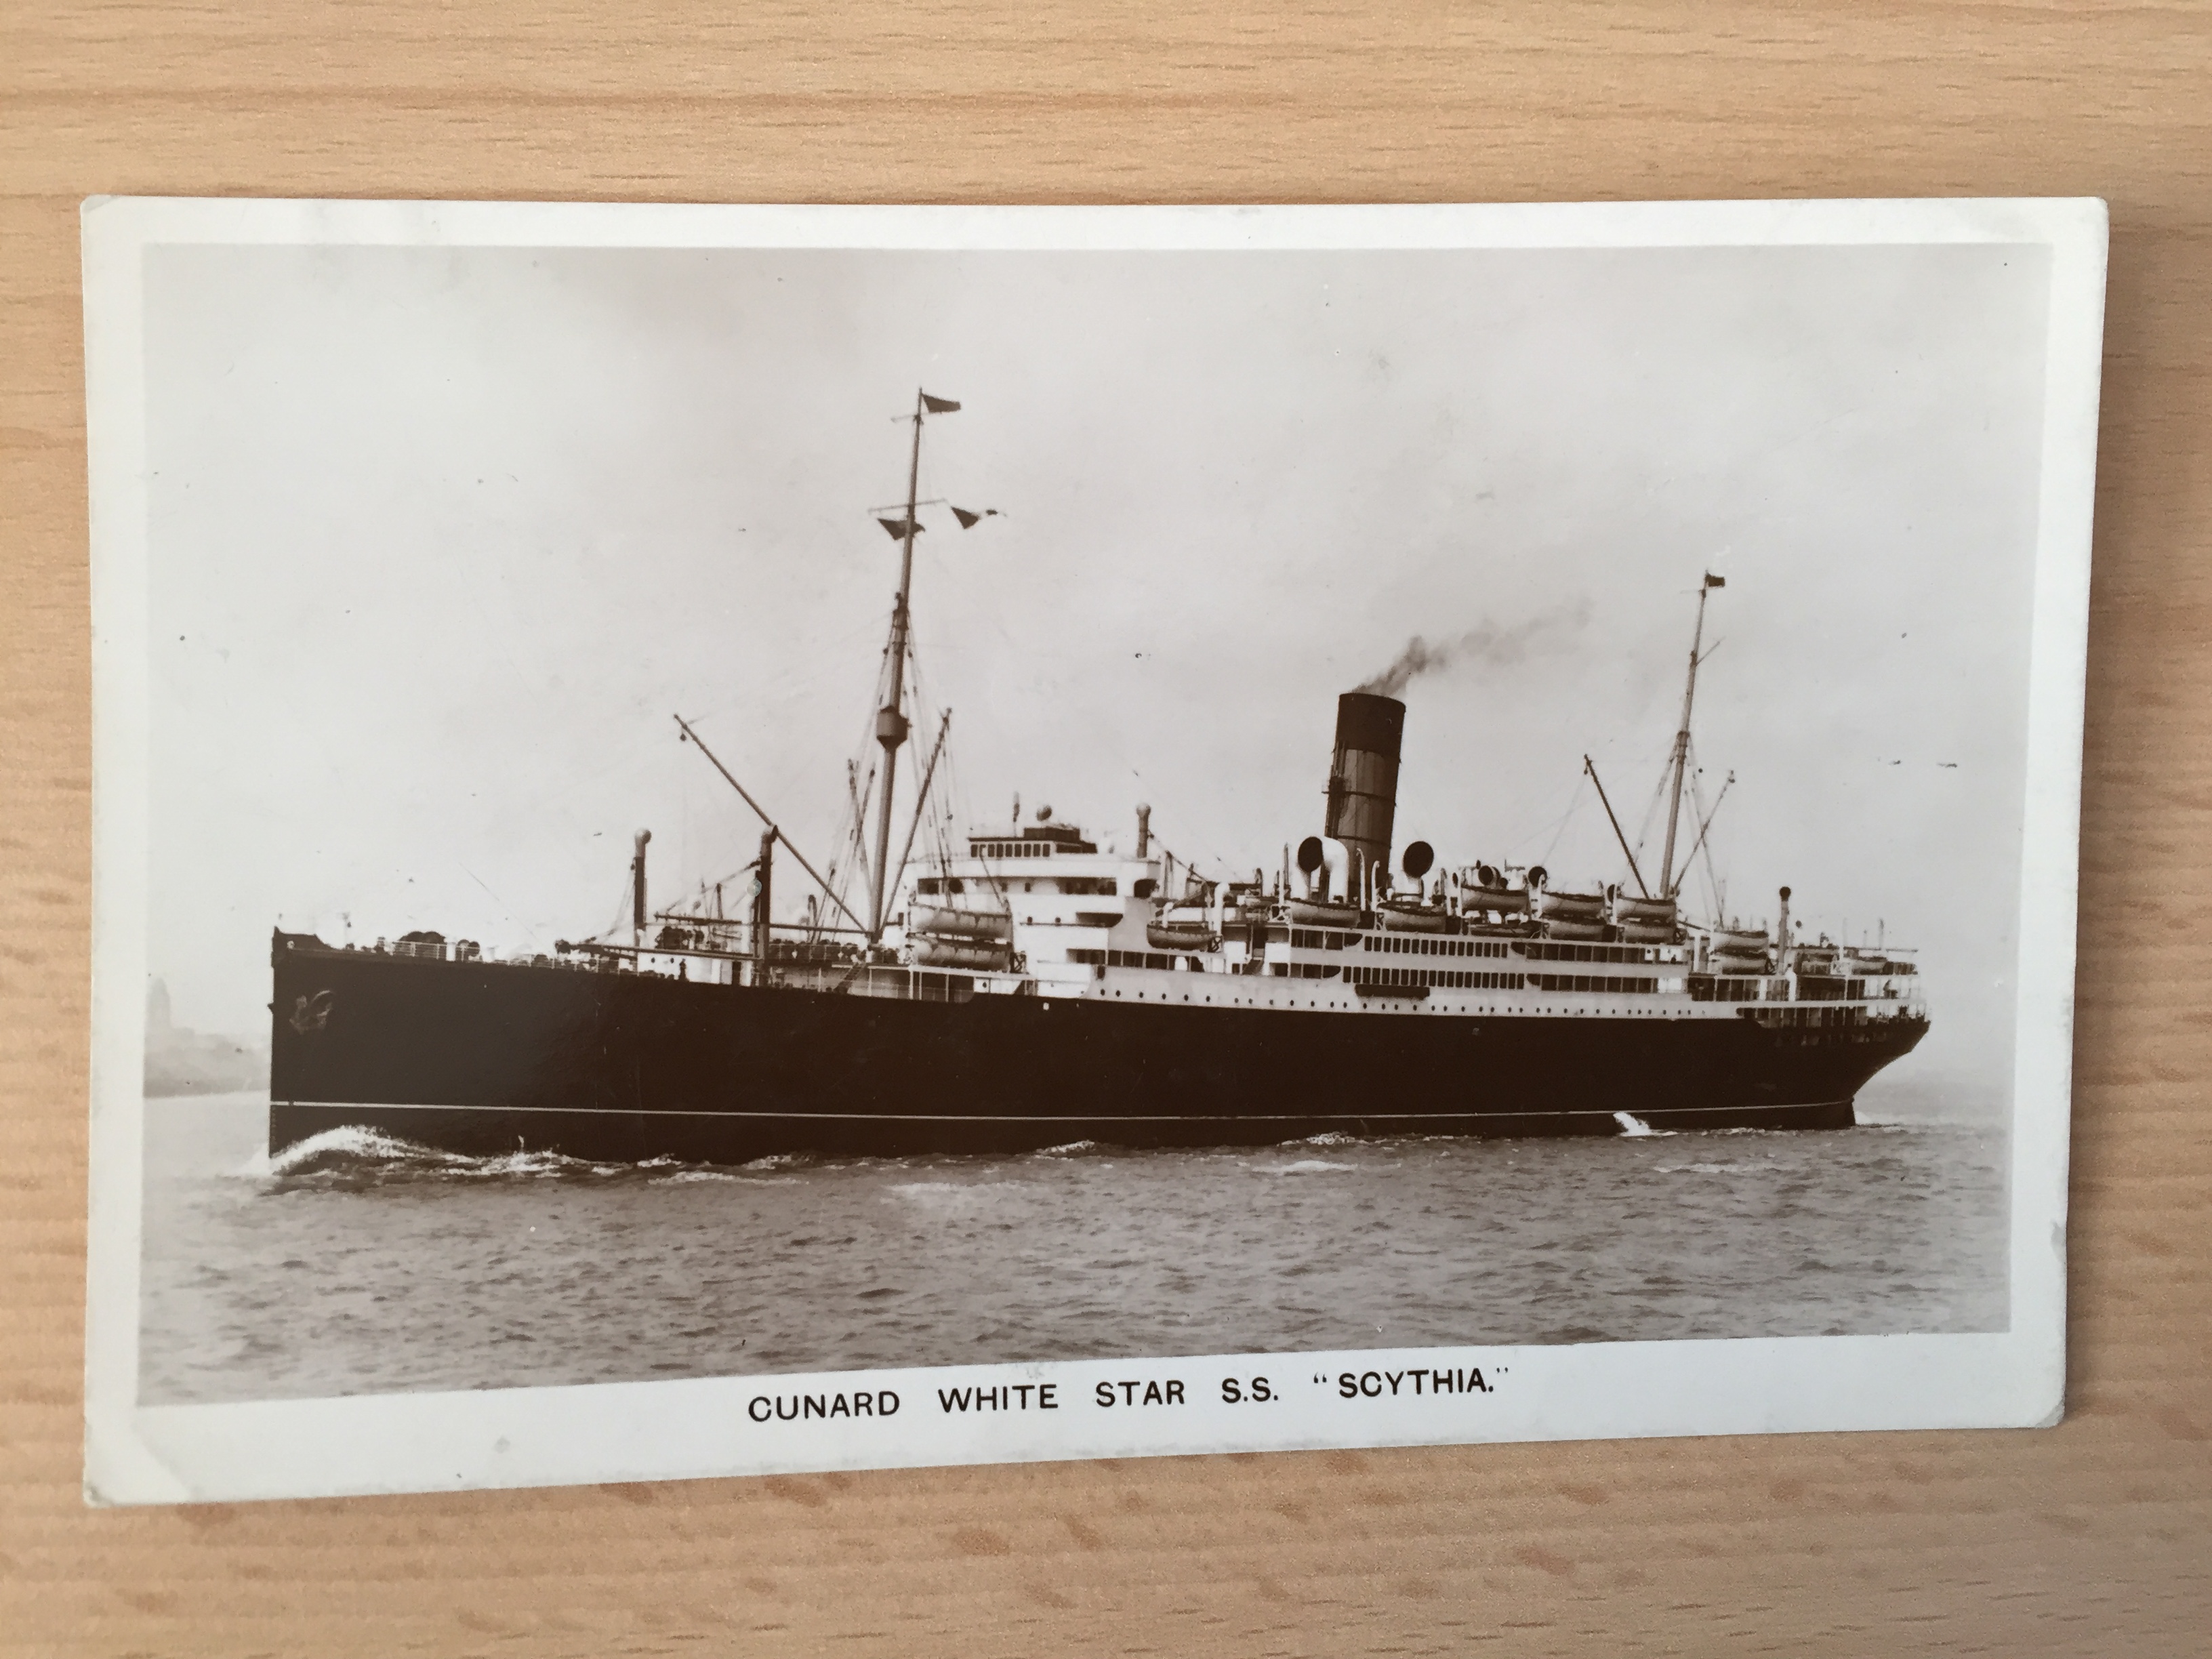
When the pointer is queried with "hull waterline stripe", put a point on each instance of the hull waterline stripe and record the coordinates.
(1173, 1117)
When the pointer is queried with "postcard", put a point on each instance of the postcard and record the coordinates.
(734, 840)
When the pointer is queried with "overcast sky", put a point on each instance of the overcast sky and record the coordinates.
(442, 539)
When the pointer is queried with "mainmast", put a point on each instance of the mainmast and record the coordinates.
(1670, 883)
(891, 724)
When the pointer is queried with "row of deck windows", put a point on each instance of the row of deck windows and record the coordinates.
(1445, 978)
(1126, 959)
(1537, 950)
(1592, 983)
(930, 886)
(1705, 989)
(1811, 988)
(1816, 1017)
(1416, 945)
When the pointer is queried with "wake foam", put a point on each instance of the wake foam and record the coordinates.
(350, 1145)
(776, 1161)
(355, 1156)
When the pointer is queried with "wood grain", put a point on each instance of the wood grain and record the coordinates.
(2088, 1539)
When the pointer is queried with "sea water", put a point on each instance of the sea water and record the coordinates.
(355, 1264)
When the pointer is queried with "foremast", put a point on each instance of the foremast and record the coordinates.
(1670, 878)
(892, 725)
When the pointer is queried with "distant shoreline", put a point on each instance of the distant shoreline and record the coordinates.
(184, 1062)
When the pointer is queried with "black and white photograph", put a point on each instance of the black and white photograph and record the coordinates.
(740, 840)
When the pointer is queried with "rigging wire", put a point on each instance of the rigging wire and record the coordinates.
(1559, 835)
(1651, 813)
(1522, 837)
(1716, 892)
(782, 683)
(621, 916)
(1556, 827)
(1697, 811)
(852, 852)
(536, 937)
(954, 793)
(1213, 853)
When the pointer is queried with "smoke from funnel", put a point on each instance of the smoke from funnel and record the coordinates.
(1489, 642)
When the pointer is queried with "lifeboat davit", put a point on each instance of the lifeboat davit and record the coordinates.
(1314, 913)
(1571, 906)
(963, 924)
(1399, 920)
(1559, 927)
(956, 953)
(1647, 912)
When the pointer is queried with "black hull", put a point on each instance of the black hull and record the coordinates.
(482, 1058)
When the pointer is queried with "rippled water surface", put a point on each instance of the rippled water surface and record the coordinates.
(356, 1265)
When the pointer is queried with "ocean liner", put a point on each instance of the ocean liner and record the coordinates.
(1019, 987)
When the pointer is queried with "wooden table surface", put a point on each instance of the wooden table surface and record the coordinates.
(2093, 1537)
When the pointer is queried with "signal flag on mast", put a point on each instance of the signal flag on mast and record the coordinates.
(1711, 580)
(969, 520)
(938, 405)
(896, 528)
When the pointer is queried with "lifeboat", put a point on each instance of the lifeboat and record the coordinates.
(1740, 939)
(1646, 933)
(955, 953)
(1864, 962)
(1313, 913)
(1559, 927)
(1646, 912)
(1402, 920)
(1505, 901)
(1571, 906)
(1738, 951)
(1181, 932)
(994, 924)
